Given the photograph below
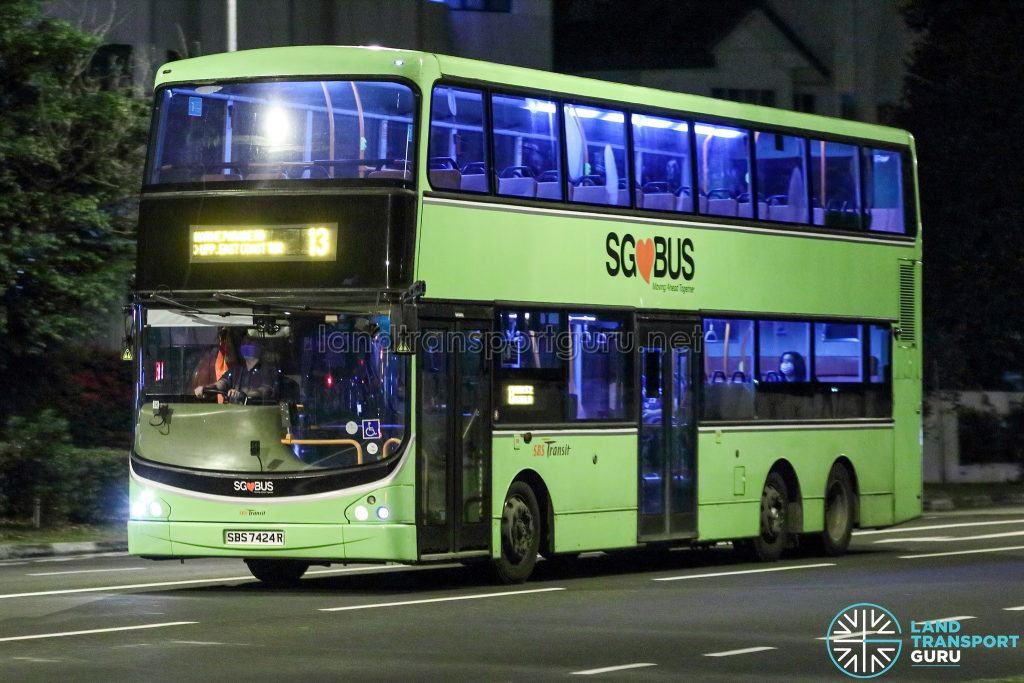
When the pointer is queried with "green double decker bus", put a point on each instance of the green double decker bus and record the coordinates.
(394, 306)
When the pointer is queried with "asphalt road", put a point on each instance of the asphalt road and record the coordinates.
(695, 615)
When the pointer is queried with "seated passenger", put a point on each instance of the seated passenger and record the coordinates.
(792, 367)
(253, 379)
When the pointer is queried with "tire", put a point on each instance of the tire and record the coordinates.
(839, 512)
(278, 572)
(768, 546)
(520, 534)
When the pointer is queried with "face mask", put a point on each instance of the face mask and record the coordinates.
(786, 367)
(250, 351)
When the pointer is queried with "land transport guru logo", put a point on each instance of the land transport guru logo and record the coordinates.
(865, 641)
(660, 258)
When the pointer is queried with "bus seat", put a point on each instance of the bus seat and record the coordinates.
(219, 177)
(819, 216)
(549, 190)
(390, 173)
(745, 209)
(517, 187)
(721, 207)
(589, 194)
(660, 201)
(475, 182)
(446, 178)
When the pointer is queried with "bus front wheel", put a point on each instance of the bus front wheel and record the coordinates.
(278, 572)
(768, 546)
(520, 534)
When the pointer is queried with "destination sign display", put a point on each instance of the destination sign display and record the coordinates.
(263, 243)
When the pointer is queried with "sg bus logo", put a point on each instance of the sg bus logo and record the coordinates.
(658, 256)
(864, 640)
(255, 486)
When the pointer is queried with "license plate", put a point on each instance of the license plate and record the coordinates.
(254, 538)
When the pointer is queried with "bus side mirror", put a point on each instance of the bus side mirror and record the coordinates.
(405, 325)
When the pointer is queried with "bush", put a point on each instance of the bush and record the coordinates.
(72, 485)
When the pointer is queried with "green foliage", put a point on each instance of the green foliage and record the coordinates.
(73, 485)
(963, 105)
(70, 154)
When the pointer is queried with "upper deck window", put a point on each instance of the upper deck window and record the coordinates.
(723, 164)
(835, 185)
(661, 150)
(595, 141)
(283, 130)
(526, 147)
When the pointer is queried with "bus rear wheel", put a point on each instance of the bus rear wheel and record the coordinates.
(768, 546)
(520, 534)
(839, 512)
(278, 572)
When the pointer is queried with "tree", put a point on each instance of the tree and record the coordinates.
(70, 155)
(964, 104)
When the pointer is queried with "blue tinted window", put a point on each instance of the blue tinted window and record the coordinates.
(661, 149)
(458, 147)
(595, 142)
(728, 369)
(283, 130)
(835, 188)
(883, 190)
(723, 165)
(526, 147)
(838, 349)
(600, 374)
(785, 351)
(781, 177)
(879, 360)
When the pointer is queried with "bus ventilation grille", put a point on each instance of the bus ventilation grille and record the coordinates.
(908, 326)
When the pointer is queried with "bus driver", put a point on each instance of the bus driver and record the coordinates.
(253, 379)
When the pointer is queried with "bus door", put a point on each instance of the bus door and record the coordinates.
(668, 429)
(453, 438)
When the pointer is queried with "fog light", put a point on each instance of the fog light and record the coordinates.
(155, 509)
(383, 512)
(362, 514)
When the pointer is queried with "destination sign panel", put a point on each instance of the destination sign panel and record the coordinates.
(263, 243)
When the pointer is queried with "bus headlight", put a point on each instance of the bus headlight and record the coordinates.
(362, 514)
(148, 506)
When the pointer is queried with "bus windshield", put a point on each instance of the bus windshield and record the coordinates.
(299, 393)
(283, 130)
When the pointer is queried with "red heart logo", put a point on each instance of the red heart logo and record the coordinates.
(645, 258)
(251, 486)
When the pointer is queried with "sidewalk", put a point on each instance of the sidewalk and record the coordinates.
(937, 498)
(18, 551)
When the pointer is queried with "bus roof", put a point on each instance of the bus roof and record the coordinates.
(309, 61)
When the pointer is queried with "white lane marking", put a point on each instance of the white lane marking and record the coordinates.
(36, 660)
(944, 619)
(932, 527)
(97, 630)
(1014, 609)
(962, 552)
(745, 571)
(89, 571)
(609, 669)
(503, 594)
(917, 539)
(159, 584)
(947, 539)
(744, 651)
(848, 636)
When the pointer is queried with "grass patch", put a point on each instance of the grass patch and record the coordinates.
(23, 532)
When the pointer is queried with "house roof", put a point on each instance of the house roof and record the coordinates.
(599, 35)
